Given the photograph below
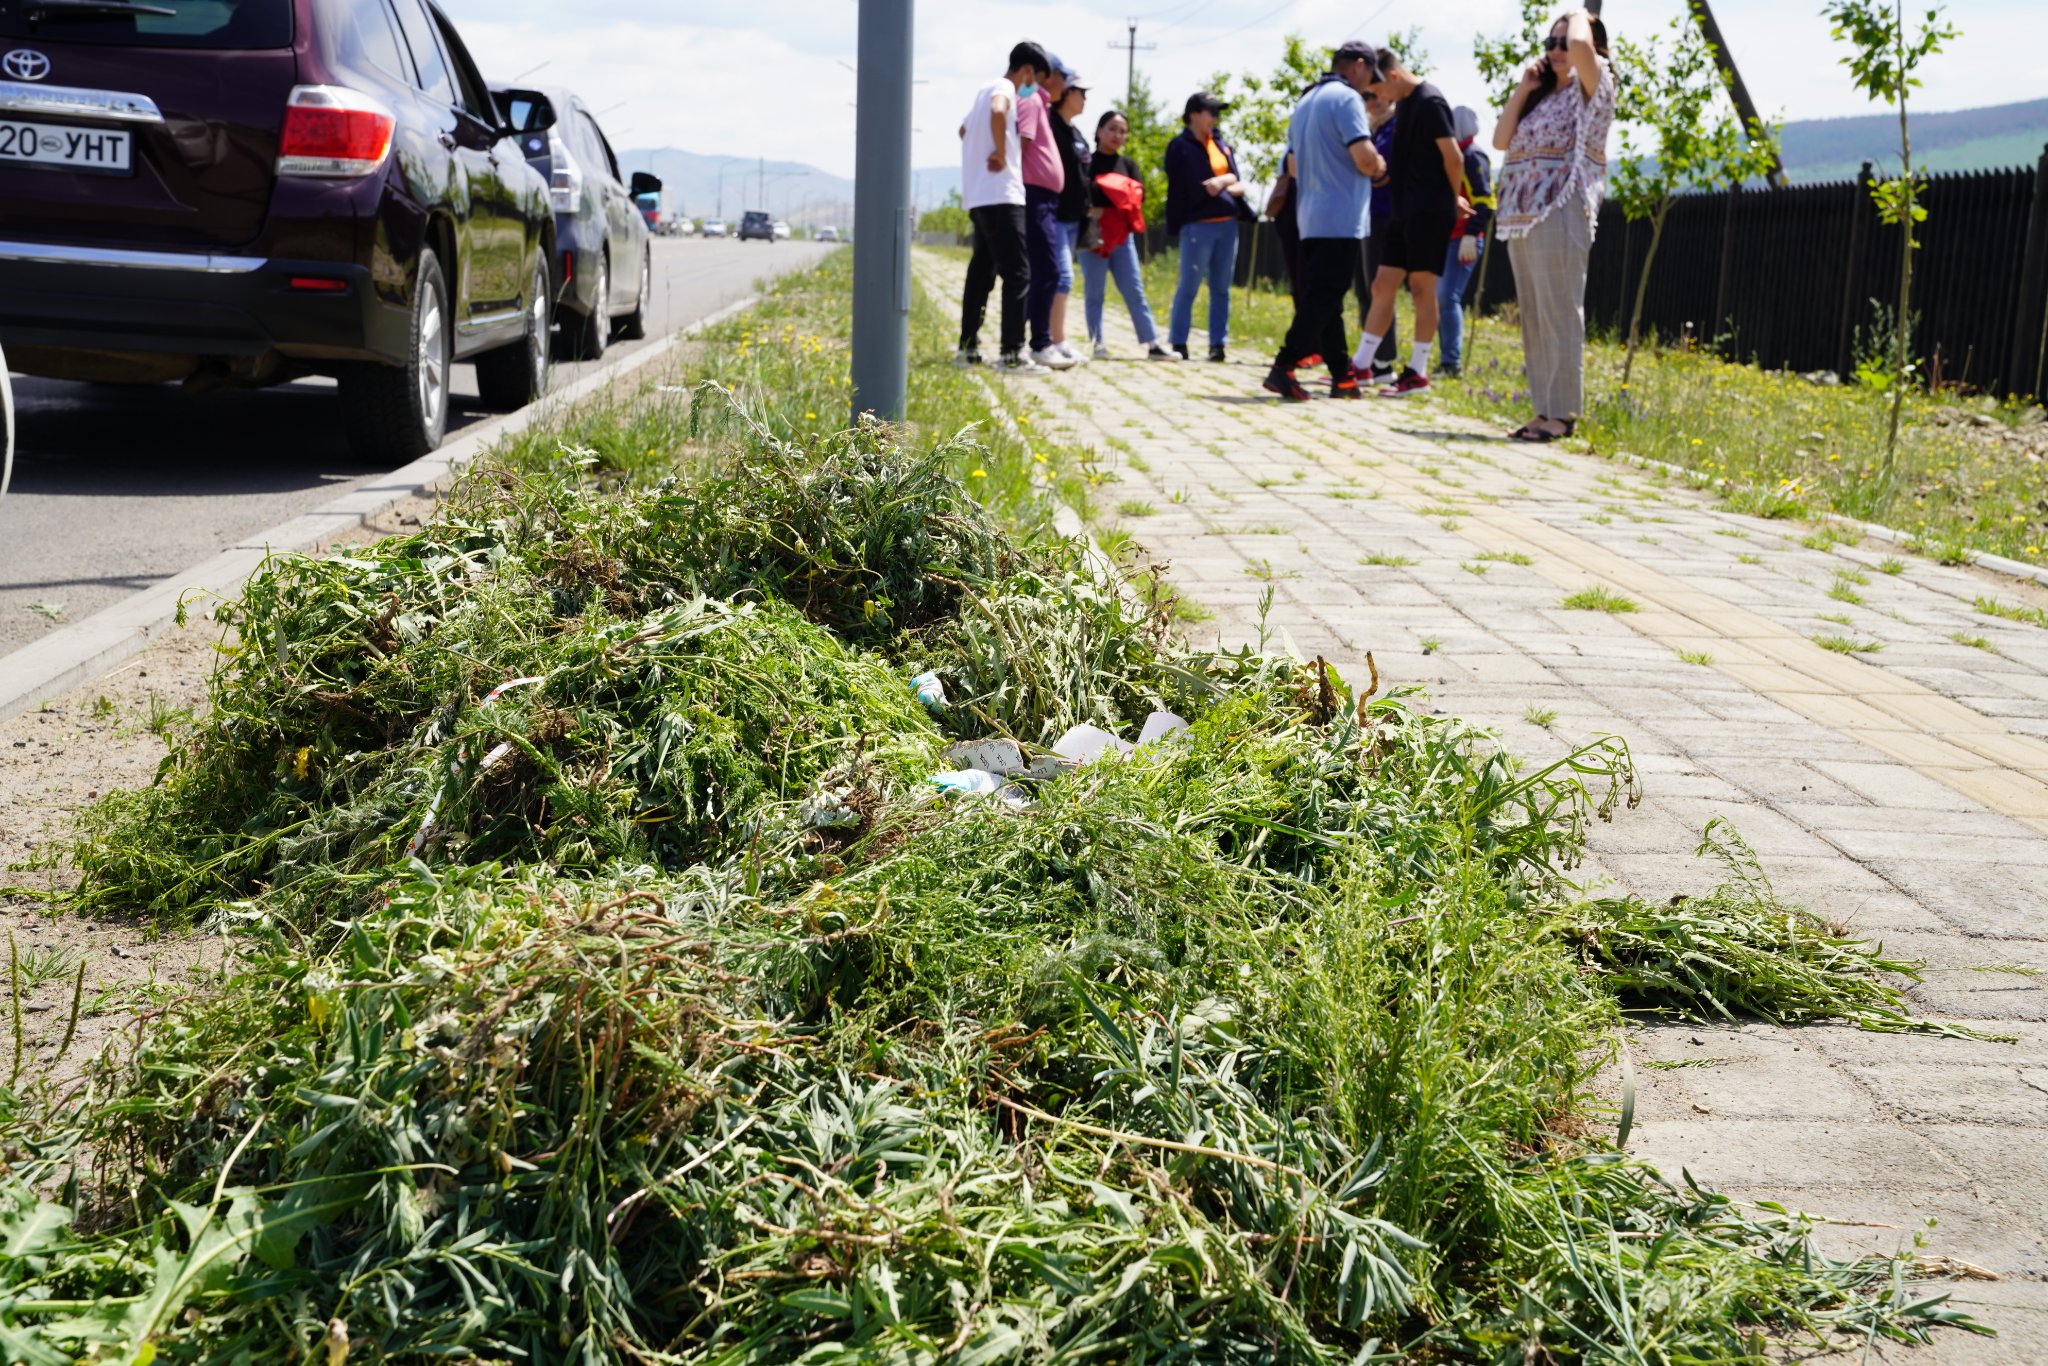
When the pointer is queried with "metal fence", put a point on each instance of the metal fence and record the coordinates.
(1805, 277)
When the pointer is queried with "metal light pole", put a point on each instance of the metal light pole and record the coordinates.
(881, 210)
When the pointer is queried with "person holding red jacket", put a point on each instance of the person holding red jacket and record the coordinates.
(1117, 203)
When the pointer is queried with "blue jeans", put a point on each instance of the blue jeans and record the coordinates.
(1450, 310)
(1122, 263)
(1070, 237)
(1208, 252)
(1042, 243)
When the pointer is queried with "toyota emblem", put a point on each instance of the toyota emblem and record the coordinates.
(26, 64)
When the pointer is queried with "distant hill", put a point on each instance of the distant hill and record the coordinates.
(704, 185)
(1994, 138)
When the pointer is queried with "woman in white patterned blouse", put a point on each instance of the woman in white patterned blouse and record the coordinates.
(1554, 131)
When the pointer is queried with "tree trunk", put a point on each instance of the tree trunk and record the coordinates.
(1903, 330)
(1635, 318)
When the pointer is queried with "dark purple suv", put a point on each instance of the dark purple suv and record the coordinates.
(249, 191)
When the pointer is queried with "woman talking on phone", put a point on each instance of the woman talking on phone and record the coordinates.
(1554, 131)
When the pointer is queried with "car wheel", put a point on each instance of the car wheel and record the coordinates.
(589, 334)
(633, 326)
(513, 376)
(396, 413)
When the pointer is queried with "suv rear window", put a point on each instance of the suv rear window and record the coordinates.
(215, 24)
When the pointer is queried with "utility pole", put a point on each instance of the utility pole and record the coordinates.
(1745, 107)
(1131, 48)
(881, 210)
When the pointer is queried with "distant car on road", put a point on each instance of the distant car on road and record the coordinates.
(781, 231)
(828, 234)
(715, 228)
(602, 264)
(755, 224)
(243, 192)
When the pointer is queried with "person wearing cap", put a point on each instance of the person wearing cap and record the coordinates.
(1204, 197)
(992, 189)
(1044, 178)
(1466, 241)
(1423, 179)
(1331, 157)
(1072, 210)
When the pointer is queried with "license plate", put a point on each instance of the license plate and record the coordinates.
(74, 149)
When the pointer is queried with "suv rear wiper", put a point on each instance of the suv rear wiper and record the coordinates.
(91, 9)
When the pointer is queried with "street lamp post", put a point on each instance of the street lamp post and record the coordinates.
(881, 210)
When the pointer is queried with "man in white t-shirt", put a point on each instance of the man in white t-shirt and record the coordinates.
(992, 188)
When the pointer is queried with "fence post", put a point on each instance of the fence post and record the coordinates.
(1727, 263)
(1852, 272)
(2029, 322)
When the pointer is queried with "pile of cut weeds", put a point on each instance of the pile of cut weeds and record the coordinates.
(566, 1030)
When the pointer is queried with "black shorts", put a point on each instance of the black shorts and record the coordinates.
(1415, 243)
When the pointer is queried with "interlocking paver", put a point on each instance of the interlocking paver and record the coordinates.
(1903, 793)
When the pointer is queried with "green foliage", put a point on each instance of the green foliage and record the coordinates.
(950, 216)
(1262, 106)
(1407, 45)
(1501, 58)
(1598, 598)
(1884, 58)
(1676, 98)
(1152, 127)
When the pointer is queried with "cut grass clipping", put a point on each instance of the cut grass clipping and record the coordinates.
(697, 1028)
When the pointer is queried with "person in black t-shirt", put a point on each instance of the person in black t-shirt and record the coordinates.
(1423, 177)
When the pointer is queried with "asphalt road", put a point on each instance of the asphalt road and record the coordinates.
(118, 487)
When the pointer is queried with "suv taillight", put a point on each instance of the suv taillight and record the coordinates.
(330, 130)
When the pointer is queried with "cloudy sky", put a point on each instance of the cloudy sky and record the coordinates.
(772, 77)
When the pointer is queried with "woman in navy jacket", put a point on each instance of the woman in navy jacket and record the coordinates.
(1204, 197)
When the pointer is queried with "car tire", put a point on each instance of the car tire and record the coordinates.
(510, 377)
(591, 332)
(397, 413)
(633, 326)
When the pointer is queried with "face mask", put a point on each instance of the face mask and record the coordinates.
(1028, 91)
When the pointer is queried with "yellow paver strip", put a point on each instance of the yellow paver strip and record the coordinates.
(1959, 747)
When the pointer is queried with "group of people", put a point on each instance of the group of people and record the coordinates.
(1383, 188)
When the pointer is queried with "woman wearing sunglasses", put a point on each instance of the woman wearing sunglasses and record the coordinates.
(1554, 131)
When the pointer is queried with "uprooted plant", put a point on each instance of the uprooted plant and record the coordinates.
(614, 989)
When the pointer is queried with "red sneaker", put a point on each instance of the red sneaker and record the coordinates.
(1287, 386)
(1409, 383)
(1347, 387)
(1308, 362)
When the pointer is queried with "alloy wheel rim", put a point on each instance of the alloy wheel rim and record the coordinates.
(433, 363)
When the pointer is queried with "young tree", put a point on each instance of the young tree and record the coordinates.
(950, 216)
(1885, 53)
(1675, 97)
(1500, 58)
(1151, 130)
(1407, 45)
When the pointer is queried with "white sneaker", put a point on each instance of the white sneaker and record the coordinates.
(1067, 350)
(1052, 358)
(965, 358)
(1101, 351)
(1159, 352)
(1015, 363)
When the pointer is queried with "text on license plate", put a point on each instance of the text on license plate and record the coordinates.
(49, 144)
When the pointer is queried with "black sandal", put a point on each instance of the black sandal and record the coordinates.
(1530, 433)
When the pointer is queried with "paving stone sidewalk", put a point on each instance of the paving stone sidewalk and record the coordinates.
(1902, 791)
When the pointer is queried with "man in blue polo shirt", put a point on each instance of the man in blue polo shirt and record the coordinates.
(1331, 157)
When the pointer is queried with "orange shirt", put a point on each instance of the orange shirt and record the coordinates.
(1219, 164)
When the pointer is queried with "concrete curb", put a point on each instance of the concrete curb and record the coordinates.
(66, 658)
